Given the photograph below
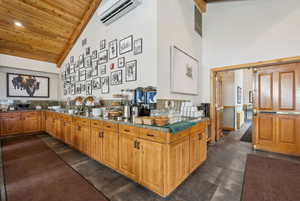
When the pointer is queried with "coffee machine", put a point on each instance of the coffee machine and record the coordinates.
(145, 100)
(205, 107)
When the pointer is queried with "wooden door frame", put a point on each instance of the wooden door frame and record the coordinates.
(213, 74)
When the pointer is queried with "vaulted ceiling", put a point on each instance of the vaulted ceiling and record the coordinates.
(47, 28)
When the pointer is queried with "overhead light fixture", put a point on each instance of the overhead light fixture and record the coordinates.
(18, 24)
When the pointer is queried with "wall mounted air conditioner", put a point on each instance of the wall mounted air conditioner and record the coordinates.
(111, 10)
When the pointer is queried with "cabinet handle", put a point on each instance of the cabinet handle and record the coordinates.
(150, 135)
(101, 134)
(137, 144)
(200, 136)
(79, 128)
(126, 130)
(134, 144)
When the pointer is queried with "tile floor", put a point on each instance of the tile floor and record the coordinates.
(220, 178)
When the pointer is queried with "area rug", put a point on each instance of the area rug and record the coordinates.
(247, 137)
(268, 179)
(33, 172)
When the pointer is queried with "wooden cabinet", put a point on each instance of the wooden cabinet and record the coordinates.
(198, 147)
(96, 143)
(82, 135)
(129, 157)
(10, 123)
(31, 121)
(110, 153)
(66, 129)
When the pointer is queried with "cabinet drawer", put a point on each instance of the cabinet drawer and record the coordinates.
(128, 130)
(12, 115)
(180, 135)
(96, 123)
(30, 115)
(82, 121)
(110, 126)
(66, 118)
(200, 127)
(153, 135)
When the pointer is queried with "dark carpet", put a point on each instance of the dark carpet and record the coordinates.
(247, 137)
(268, 179)
(33, 172)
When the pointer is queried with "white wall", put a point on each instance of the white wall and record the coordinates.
(248, 85)
(27, 64)
(237, 32)
(141, 23)
(54, 83)
(228, 88)
(176, 26)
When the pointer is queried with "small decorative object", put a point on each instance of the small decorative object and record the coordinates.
(113, 49)
(87, 51)
(112, 66)
(82, 75)
(89, 101)
(89, 73)
(94, 54)
(239, 95)
(96, 83)
(103, 57)
(102, 69)
(126, 45)
(68, 70)
(131, 74)
(89, 88)
(78, 101)
(138, 46)
(95, 68)
(72, 60)
(102, 44)
(88, 62)
(20, 85)
(83, 42)
(81, 61)
(104, 85)
(121, 62)
(116, 77)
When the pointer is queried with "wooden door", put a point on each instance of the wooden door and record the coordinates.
(48, 123)
(97, 143)
(111, 148)
(31, 121)
(77, 137)
(11, 124)
(86, 139)
(152, 165)
(129, 156)
(198, 149)
(219, 106)
(66, 132)
(277, 107)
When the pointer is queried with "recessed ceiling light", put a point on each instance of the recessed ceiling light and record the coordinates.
(18, 24)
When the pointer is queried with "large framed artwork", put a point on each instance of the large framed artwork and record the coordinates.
(21, 85)
(184, 72)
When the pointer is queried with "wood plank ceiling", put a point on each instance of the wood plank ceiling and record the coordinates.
(49, 28)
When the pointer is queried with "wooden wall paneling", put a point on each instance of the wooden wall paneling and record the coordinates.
(286, 133)
(266, 129)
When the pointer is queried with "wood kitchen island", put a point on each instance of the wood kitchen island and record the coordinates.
(149, 155)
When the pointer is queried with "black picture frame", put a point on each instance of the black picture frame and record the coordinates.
(122, 45)
(129, 75)
(82, 75)
(72, 60)
(113, 49)
(116, 75)
(94, 54)
(96, 83)
(103, 57)
(17, 74)
(239, 95)
(121, 62)
(87, 51)
(105, 90)
(102, 44)
(138, 49)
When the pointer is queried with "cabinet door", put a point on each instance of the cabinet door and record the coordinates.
(129, 158)
(76, 137)
(86, 140)
(96, 143)
(31, 122)
(198, 149)
(58, 124)
(110, 149)
(11, 124)
(152, 165)
(265, 130)
(66, 132)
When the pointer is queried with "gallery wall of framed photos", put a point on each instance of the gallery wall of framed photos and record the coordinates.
(95, 71)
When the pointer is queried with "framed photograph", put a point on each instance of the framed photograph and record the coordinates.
(72, 60)
(21, 85)
(104, 85)
(73, 89)
(83, 87)
(84, 42)
(250, 96)
(72, 69)
(87, 51)
(116, 77)
(65, 92)
(138, 46)
(89, 88)
(131, 71)
(102, 69)
(239, 95)
(103, 57)
(89, 73)
(82, 75)
(88, 62)
(78, 88)
(94, 54)
(126, 45)
(77, 76)
(95, 68)
(73, 78)
(96, 83)
(102, 44)
(121, 62)
(68, 69)
(113, 49)
(68, 80)
(81, 61)
(77, 66)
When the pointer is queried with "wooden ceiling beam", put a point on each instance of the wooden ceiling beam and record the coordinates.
(201, 5)
(92, 8)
